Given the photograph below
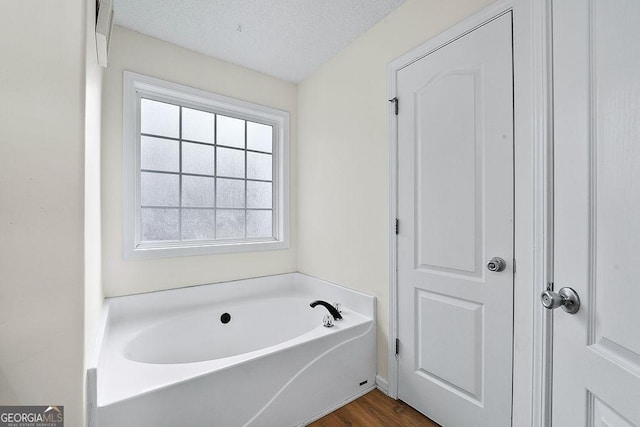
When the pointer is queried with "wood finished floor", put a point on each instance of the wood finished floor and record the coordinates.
(375, 409)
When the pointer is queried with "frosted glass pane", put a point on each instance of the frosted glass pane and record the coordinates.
(259, 195)
(198, 191)
(230, 193)
(159, 118)
(229, 224)
(159, 224)
(159, 154)
(198, 224)
(259, 224)
(197, 125)
(159, 189)
(230, 131)
(230, 163)
(198, 158)
(259, 137)
(259, 166)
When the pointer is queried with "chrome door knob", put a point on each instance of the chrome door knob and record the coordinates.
(551, 300)
(496, 264)
(566, 298)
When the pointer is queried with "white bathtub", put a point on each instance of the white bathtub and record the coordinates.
(167, 359)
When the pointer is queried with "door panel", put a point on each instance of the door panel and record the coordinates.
(597, 211)
(455, 206)
(447, 175)
(458, 369)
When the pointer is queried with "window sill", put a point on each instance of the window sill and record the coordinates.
(155, 250)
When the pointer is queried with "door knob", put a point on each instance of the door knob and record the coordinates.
(566, 298)
(496, 264)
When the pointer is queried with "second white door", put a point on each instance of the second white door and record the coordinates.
(596, 352)
(455, 209)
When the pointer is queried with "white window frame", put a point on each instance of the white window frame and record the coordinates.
(137, 86)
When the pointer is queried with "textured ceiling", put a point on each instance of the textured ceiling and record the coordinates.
(288, 39)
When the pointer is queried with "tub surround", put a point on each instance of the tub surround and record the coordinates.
(167, 356)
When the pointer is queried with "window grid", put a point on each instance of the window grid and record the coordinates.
(204, 175)
(229, 147)
(180, 177)
(180, 140)
(215, 180)
(246, 145)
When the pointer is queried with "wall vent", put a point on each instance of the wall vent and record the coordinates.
(104, 26)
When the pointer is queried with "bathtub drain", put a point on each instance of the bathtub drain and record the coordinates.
(225, 318)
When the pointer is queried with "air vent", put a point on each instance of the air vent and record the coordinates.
(104, 26)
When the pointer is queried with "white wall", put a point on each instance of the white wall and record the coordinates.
(42, 69)
(135, 52)
(93, 295)
(343, 153)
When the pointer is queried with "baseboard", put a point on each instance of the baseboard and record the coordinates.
(382, 384)
(338, 406)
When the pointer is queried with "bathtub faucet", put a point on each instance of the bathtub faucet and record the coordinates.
(332, 310)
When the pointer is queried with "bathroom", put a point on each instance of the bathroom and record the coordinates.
(62, 192)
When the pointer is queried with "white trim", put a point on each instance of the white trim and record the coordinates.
(534, 213)
(532, 124)
(392, 385)
(137, 84)
(382, 384)
(543, 192)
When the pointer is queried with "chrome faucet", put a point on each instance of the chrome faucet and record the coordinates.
(332, 310)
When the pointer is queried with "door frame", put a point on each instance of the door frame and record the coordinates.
(533, 210)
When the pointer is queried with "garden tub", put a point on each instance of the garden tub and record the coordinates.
(244, 353)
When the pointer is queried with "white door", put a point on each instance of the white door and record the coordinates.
(455, 209)
(596, 360)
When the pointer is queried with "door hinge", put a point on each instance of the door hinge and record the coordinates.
(397, 226)
(397, 346)
(395, 104)
(514, 266)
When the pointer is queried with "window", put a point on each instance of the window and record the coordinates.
(204, 173)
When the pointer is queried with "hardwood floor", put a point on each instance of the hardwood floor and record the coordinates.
(375, 409)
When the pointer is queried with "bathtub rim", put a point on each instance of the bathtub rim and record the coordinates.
(121, 305)
(91, 380)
